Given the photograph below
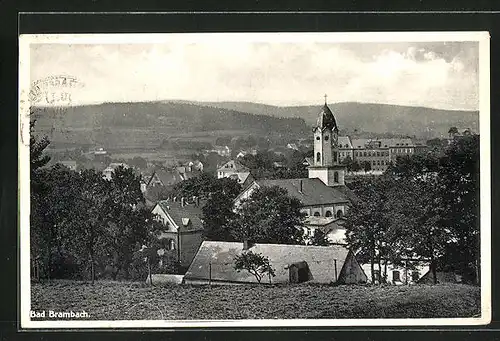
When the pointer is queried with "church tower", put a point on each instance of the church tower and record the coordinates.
(326, 165)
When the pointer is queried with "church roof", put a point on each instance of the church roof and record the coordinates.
(326, 120)
(314, 191)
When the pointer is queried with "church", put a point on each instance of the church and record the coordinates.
(324, 195)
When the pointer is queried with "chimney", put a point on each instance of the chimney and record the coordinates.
(183, 201)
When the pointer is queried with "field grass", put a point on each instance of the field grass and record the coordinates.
(136, 301)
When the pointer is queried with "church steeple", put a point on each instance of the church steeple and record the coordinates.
(326, 165)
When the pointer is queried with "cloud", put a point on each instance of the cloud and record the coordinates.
(435, 74)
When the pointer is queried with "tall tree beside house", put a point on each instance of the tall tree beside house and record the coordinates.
(126, 224)
(459, 174)
(417, 205)
(367, 229)
(92, 216)
(270, 215)
(218, 210)
(320, 238)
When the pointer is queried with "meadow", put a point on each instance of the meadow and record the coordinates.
(106, 300)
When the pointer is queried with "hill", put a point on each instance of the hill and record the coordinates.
(370, 117)
(146, 124)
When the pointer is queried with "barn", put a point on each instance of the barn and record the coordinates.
(214, 263)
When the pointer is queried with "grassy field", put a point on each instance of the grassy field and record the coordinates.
(136, 301)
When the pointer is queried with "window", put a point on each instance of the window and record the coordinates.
(317, 138)
(326, 137)
(378, 163)
(376, 275)
(364, 153)
(316, 214)
(318, 157)
(347, 146)
(334, 156)
(378, 153)
(395, 276)
(414, 276)
(336, 177)
(328, 214)
(339, 214)
(171, 244)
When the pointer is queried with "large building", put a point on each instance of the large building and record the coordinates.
(324, 196)
(183, 232)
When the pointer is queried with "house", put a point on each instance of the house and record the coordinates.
(164, 178)
(241, 154)
(214, 263)
(332, 227)
(183, 232)
(409, 271)
(345, 147)
(235, 170)
(71, 165)
(108, 171)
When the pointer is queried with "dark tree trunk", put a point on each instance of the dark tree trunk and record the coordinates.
(92, 268)
(433, 269)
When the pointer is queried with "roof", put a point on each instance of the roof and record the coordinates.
(326, 120)
(314, 191)
(220, 257)
(236, 167)
(344, 142)
(68, 163)
(166, 177)
(241, 177)
(309, 161)
(189, 214)
(384, 143)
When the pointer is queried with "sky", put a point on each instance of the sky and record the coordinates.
(440, 75)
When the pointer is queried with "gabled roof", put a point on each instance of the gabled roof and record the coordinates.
(220, 257)
(241, 177)
(187, 217)
(344, 142)
(314, 191)
(166, 177)
(236, 167)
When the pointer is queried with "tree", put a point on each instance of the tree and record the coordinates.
(204, 184)
(255, 263)
(367, 166)
(459, 174)
(453, 131)
(218, 210)
(367, 229)
(127, 219)
(320, 238)
(92, 216)
(270, 215)
(139, 162)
